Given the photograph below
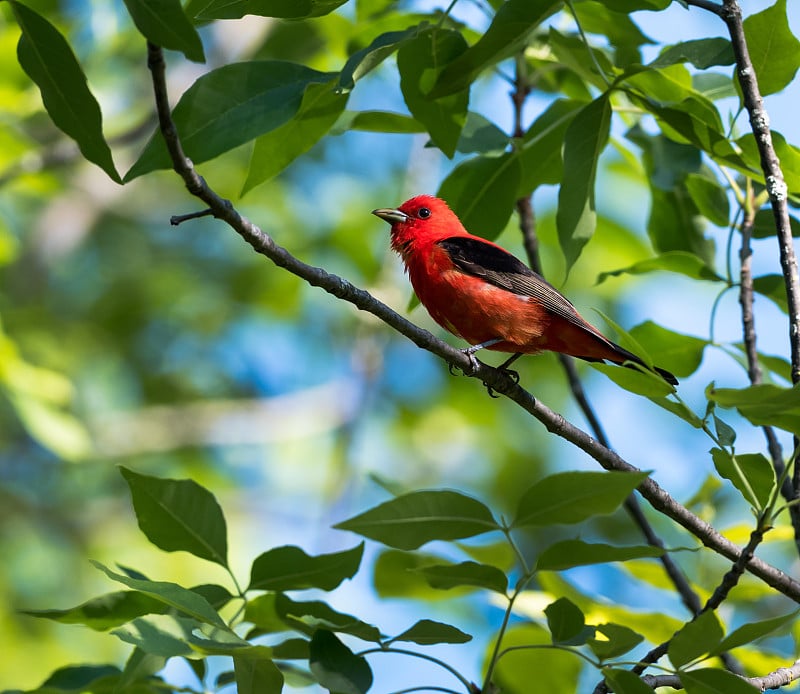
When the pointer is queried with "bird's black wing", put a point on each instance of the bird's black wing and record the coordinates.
(502, 269)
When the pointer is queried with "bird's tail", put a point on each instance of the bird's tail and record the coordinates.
(622, 355)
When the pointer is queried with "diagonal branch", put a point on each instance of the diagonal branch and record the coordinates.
(555, 423)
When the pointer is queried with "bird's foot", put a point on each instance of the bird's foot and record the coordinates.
(473, 363)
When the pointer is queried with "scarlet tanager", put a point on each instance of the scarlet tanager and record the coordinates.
(482, 293)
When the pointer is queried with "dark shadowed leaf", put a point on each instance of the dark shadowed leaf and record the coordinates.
(368, 58)
(752, 631)
(774, 288)
(290, 568)
(764, 224)
(572, 497)
(80, 678)
(171, 594)
(282, 9)
(164, 23)
(702, 53)
(482, 191)
(584, 140)
(275, 150)
(697, 638)
(710, 681)
(482, 136)
(427, 632)
(568, 553)
(625, 682)
(48, 60)
(468, 573)
(230, 106)
(336, 667)
(617, 640)
(566, 623)
(411, 520)
(709, 197)
(257, 676)
(179, 515)
(310, 616)
(774, 49)
(105, 611)
(420, 61)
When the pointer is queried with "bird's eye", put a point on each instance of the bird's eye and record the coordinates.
(423, 213)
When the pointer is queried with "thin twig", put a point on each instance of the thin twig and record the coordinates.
(555, 423)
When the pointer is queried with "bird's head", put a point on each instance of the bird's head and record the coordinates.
(422, 218)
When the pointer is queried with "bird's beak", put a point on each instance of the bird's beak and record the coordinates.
(390, 215)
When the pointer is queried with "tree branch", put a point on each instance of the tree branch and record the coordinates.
(555, 423)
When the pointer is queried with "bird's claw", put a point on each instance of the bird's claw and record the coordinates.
(472, 361)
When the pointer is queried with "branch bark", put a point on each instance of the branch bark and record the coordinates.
(555, 423)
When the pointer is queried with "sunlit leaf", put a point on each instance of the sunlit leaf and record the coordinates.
(411, 520)
(106, 611)
(368, 58)
(616, 640)
(763, 404)
(310, 616)
(179, 515)
(672, 261)
(275, 150)
(283, 9)
(751, 473)
(702, 53)
(774, 50)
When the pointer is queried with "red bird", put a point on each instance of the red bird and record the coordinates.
(483, 294)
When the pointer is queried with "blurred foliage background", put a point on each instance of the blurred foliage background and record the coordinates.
(180, 352)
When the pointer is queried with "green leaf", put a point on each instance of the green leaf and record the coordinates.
(764, 224)
(282, 9)
(411, 520)
(420, 62)
(695, 639)
(617, 640)
(702, 53)
(572, 497)
(636, 380)
(275, 150)
(106, 611)
(179, 515)
(368, 58)
(554, 671)
(540, 154)
(262, 612)
(634, 5)
(774, 288)
(751, 473)
(774, 49)
(308, 617)
(80, 678)
(397, 574)
(230, 106)
(170, 594)
(481, 135)
(762, 405)
(336, 667)
(257, 676)
(48, 60)
(709, 197)
(377, 122)
(507, 33)
(290, 568)
(52, 427)
(468, 573)
(569, 553)
(482, 191)
(681, 262)
(679, 353)
(710, 681)
(427, 633)
(164, 23)
(584, 140)
(625, 682)
(752, 631)
(725, 433)
(566, 623)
